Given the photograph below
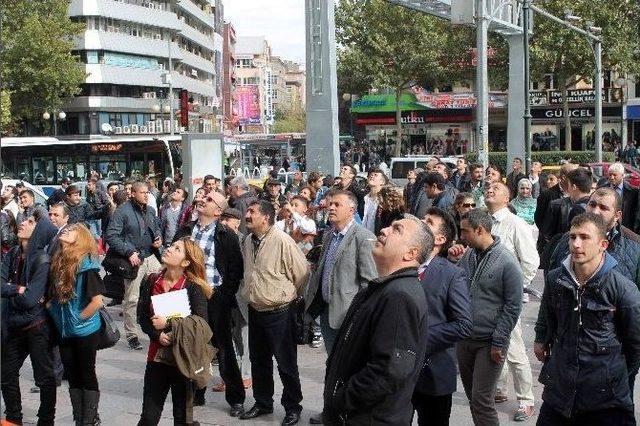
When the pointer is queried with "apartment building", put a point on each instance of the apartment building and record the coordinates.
(134, 51)
(229, 99)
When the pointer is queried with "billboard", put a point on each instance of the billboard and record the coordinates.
(248, 104)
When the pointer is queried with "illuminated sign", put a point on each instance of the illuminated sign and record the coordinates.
(106, 147)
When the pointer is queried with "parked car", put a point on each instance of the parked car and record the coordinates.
(632, 174)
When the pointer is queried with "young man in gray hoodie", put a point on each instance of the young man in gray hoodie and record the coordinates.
(495, 286)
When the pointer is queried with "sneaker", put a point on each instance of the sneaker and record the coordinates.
(525, 297)
(134, 344)
(316, 342)
(525, 412)
(500, 397)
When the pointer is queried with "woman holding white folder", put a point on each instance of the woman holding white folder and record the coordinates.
(183, 269)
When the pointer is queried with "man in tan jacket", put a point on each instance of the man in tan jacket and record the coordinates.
(274, 272)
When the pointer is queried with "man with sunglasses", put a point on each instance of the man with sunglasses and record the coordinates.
(224, 270)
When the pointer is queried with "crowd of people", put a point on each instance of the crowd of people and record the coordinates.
(404, 287)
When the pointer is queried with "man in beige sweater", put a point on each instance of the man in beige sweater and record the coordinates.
(274, 272)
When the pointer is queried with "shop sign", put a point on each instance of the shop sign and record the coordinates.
(538, 97)
(583, 96)
(587, 112)
(455, 100)
(412, 118)
(106, 147)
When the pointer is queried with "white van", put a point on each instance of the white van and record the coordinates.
(400, 166)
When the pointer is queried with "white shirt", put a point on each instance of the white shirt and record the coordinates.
(307, 226)
(370, 209)
(516, 235)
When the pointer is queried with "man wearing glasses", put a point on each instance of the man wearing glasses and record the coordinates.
(134, 232)
(224, 270)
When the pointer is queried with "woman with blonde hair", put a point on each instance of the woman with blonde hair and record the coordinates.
(390, 207)
(183, 268)
(76, 296)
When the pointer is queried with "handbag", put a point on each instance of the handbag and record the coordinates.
(119, 265)
(114, 286)
(109, 333)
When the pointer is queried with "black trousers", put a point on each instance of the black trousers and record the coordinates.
(271, 334)
(432, 410)
(158, 380)
(36, 343)
(221, 325)
(79, 360)
(609, 416)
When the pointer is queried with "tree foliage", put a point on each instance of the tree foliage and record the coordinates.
(292, 120)
(38, 69)
(568, 55)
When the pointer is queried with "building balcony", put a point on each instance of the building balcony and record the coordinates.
(193, 10)
(193, 85)
(196, 36)
(124, 43)
(126, 12)
(110, 74)
(116, 104)
(198, 62)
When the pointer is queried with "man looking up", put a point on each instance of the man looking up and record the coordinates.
(589, 340)
(434, 186)
(348, 183)
(379, 351)
(376, 180)
(27, 203)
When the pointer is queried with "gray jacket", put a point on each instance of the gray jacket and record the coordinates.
(495, 285)
(353, 269)
(132, 229)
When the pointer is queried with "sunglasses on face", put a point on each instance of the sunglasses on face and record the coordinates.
(468, 205)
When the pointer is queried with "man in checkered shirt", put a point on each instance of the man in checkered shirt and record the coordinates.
(224, 270)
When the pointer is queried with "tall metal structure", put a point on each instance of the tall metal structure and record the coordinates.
(322, 150)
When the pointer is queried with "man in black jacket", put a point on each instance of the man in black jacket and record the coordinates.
(349, 183)
(224, 269)
(24, 278)
(79, 210)
(374, 365)
(630, 197)
(445, 287)
(589, 339)
(134, 233)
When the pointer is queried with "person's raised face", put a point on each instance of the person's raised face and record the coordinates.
(396, 244)
(346, 173)
(411, 174)
(605, 207)
(57, 217)
(536, 167)
(477, 174)
(436, 224)
(524, 191)
(616, 178)
(317, 184)
(178, 195)
(585, 243)
(175, 255)
(375, 179)
(7, 192)
(461, 165)
(25, 229)
(69, 235)
(306, 193)
(552, 180)
(466, 205)
(442, 169)
(493, 175)
(25, 200)
(211, 205)
(127, 188)
(255, 220)
(199, 194)
(91, 186)
(140, 194)
(340, 209)
(74, 198)
(496, 196)
(517, 165)
(298, 207)
(297, 177)
(274, 190)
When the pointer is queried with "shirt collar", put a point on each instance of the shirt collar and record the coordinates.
(345, 230)
(422, 267)
(206, 228)
(501, 214)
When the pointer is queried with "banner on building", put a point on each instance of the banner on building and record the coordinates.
(456, 100)
(248, 104)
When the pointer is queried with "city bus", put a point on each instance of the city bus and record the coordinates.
(45, 161)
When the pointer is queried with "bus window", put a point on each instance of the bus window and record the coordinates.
(400, 169)
(421, 165)
(42, 170)
(23, 171)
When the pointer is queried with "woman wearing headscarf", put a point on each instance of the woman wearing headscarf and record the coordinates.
(524, 203)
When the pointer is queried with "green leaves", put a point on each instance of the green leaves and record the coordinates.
(37, 66)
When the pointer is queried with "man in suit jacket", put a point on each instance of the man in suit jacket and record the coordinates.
(345, 267)
(449, 308)
(629, 194)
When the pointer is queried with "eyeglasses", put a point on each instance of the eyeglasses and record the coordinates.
(468, 205)
(211, 200)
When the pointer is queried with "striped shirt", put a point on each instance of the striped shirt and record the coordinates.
(205, 236)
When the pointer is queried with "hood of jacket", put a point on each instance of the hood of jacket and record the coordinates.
(41, 237)
(607, 265)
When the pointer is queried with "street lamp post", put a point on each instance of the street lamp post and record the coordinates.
(526, 10)
(61, 115)
(621, 82)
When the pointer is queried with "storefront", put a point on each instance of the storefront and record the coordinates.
(633, 122)
(432, 123)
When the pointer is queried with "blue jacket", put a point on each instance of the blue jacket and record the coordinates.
(449, 307)
(594, 340)
(66, 316)
(27, 308)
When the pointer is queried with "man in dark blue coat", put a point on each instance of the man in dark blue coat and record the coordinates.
(449, 321)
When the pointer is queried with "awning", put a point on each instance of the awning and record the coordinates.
(385, 103)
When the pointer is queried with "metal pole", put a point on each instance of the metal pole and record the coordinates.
(527, 77)
(598, 84)
(482, 85)
(171, 119)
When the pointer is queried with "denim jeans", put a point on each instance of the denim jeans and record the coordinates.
(328, 334)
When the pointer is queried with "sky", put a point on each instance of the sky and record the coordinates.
(280, 21)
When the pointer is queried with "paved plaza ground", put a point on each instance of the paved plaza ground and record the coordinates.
(121, 372)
